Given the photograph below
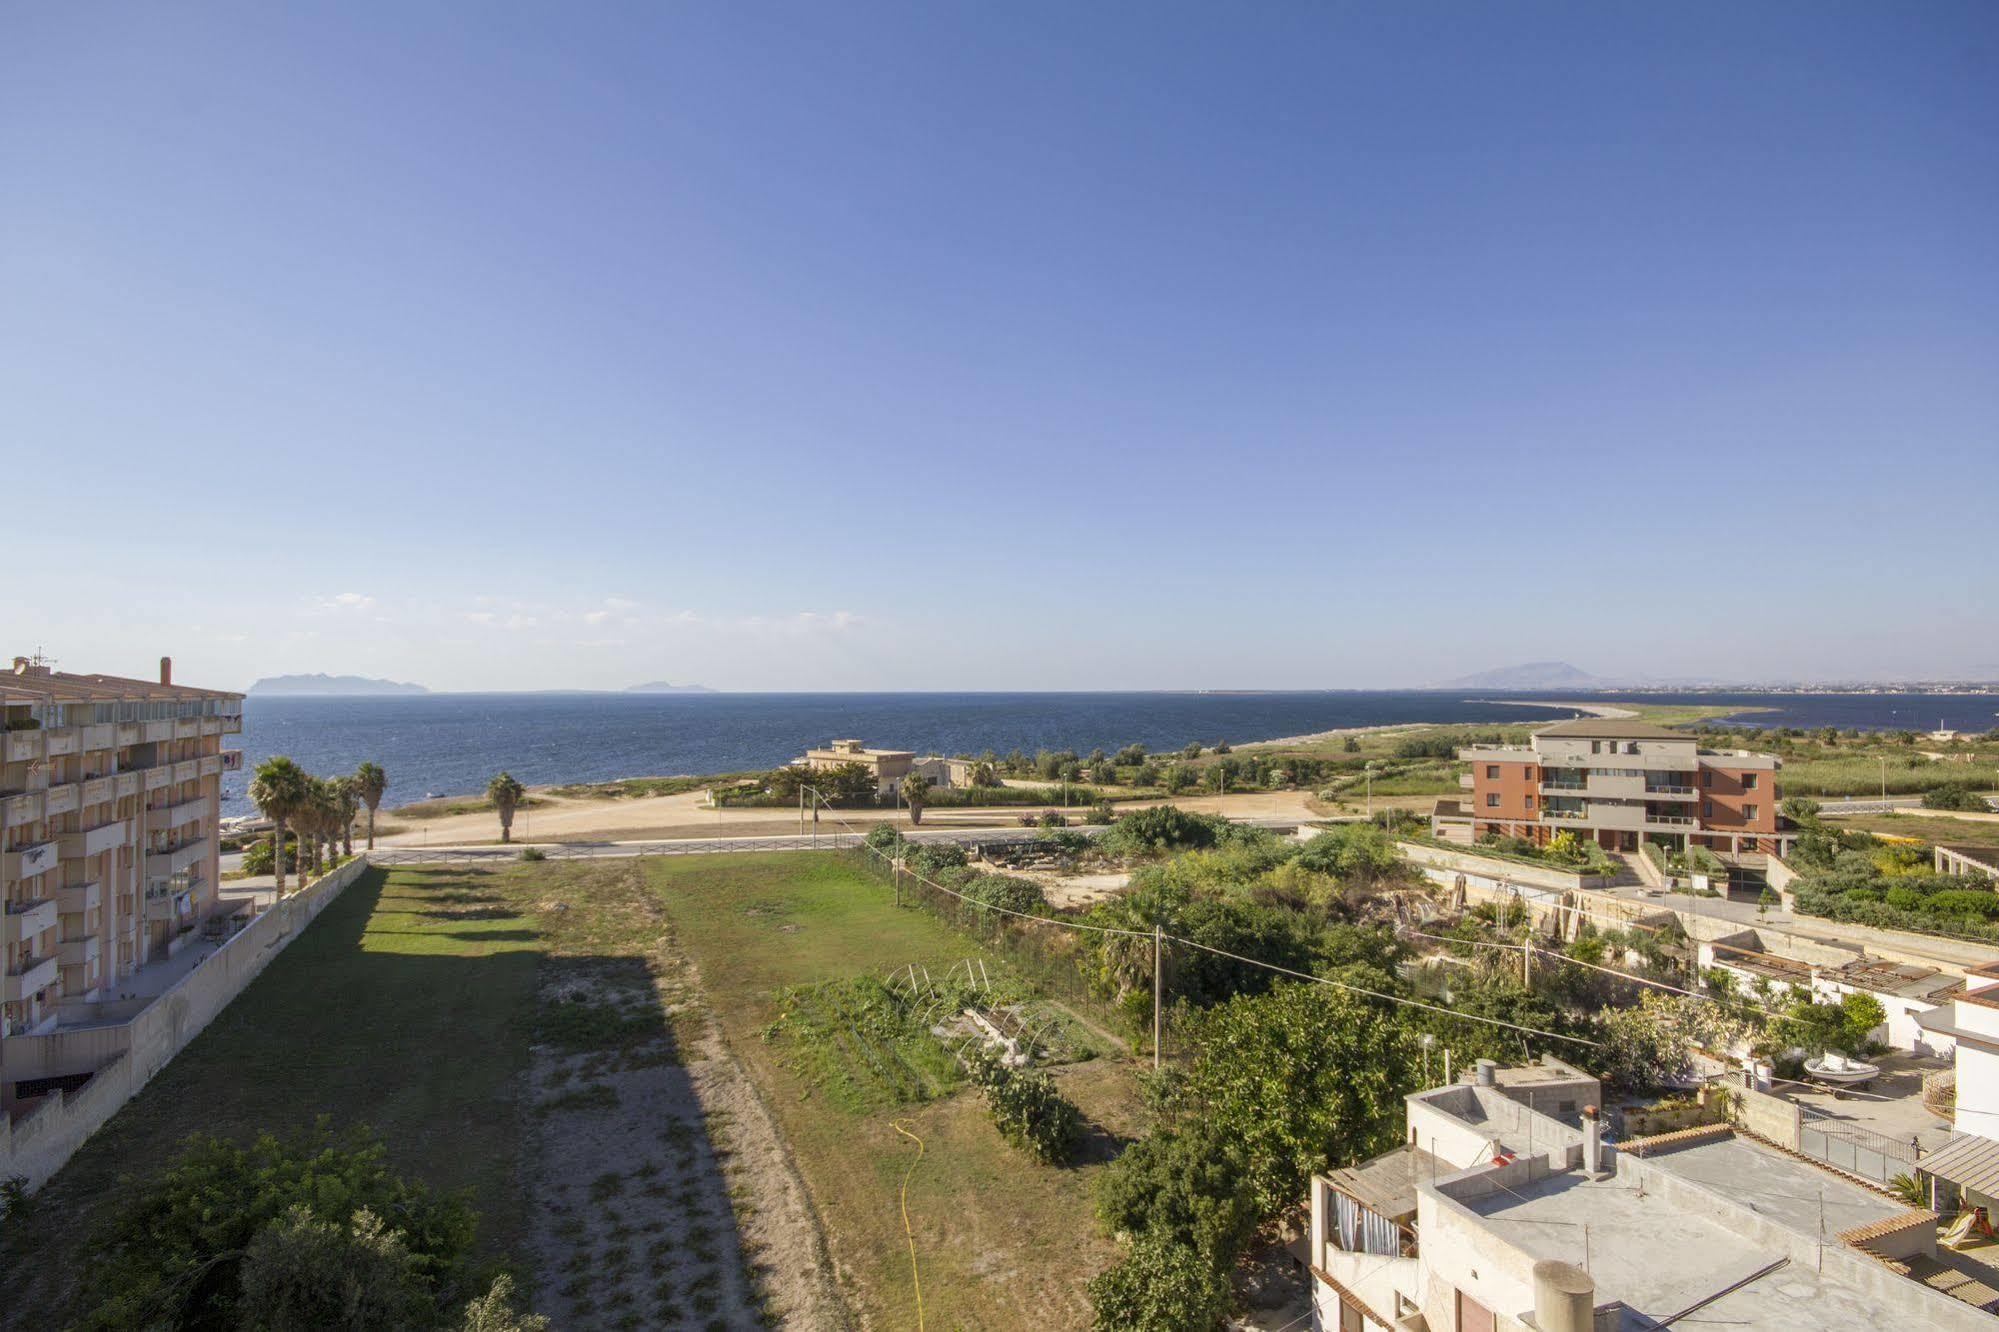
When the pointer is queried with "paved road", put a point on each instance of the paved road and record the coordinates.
(827, 840)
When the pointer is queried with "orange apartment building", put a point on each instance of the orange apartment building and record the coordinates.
(109, 798)
(1620, 781)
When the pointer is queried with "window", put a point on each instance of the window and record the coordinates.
(1350, 1318)
(1492, 800)
(1707, 777)
(1749, 781)
(1707, 809)
(1492, 770)
(1473, 1316)
(1530, 800)
(1596, 746)
(1749, 813)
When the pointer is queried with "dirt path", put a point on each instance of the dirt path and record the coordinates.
(659, 1191)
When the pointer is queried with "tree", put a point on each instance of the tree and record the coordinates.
(278, 790)
(915, 788)
(1299, 1078)
(369, 783)
(505, 791)
(301, 1274)
(1159, 1286)
(1651, 1044)
(173, 1250)
(347, 803)
(1843, 1026)
(494, 1311)
(1960, 796)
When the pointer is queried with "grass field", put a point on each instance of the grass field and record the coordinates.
(1001, 1242)
(1931, 829)
(405, 1006)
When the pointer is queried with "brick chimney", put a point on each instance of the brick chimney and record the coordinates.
(166, 670)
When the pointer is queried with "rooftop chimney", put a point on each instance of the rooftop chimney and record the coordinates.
(166, 670)
(1488, 1071)
(1592, 1141)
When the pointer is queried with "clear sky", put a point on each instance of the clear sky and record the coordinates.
(1028, 345)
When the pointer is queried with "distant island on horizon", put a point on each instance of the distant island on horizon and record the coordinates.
(277, 686)
(663, 687)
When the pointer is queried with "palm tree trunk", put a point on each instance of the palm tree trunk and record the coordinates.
(507, 826)
(278, 853)
(371, 827)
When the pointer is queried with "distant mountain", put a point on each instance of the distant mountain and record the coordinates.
(662, 687)
(1531, 675)
(279, 685)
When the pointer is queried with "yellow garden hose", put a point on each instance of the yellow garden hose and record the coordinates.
(914, 1279)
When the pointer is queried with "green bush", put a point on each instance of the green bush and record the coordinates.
(1026, 1108)
(1161, 829)
(257, 856)
(173, 1251)
(1957, 796)
(1009, 892)
(533, 853)
(1160, 1285)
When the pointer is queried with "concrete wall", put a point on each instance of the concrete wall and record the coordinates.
(125, 1056)
(1490, 869)
(1767, 1116)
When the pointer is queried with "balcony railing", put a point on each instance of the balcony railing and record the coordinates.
(23, 922)
(1669, 790)
(29, 977)
(1668, 821)
(1567, 815)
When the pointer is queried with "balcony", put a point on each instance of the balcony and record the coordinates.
(154, 779)
(77, 898)
(1671, 792)
(232, 725)
(97, 790)
(125, 784)
(179, 814)
(29, 861)
(1558, 787)
(101, 735)
(95, 841)
(232, 760)
(78, 952)
(21, 809)
(154, 731)
(28, 979)
(59, 799)
(24, 922)
(164, 904)
(1566, 815)
(210, 764)
(1668, 821)
(62, 740)
(128, 734)
(166, 863)
(187, 770)
(24, 746)
(187, 728)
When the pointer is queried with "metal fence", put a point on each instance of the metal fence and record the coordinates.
(1856, 1150)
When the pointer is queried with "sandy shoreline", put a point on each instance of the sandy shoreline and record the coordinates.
(1316, 737)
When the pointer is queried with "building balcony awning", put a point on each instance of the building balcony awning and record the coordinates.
(1968, 1161)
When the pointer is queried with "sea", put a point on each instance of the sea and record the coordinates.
(449, 744)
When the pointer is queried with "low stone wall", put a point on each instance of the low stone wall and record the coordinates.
(1769, 1117)
(124, 1056)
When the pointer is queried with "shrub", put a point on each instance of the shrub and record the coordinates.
(174, 1248)
(1009, 892)
(1183, 1185)
(1159, 1286)
(257, 856)
(1026, 1108)
(532, 854)
(1160, 829)
(1956, 795)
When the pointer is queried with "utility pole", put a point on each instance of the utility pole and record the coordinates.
(1527, 955)
(1884, 779)
(1158, 973)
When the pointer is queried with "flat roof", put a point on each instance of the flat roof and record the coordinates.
(40, 686)
(1610, 728)
(1895, 978)
(1621, 1235)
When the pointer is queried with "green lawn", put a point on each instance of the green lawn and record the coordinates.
(1931, 829)
(405, 1007)
(1001, 1242)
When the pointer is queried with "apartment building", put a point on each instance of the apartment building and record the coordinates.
(1507, 1209)
(1617, 782)
(109, 795)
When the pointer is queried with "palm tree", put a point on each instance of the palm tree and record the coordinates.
(347, 803)
(315, 822)
(914, 788)
(278, 790)
(505, 791)
(369, 783)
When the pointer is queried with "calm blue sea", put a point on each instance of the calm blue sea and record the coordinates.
(449, 744)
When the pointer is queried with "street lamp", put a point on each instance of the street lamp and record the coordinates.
(1369, 773)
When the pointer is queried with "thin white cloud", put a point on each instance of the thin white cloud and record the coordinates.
(347, 601)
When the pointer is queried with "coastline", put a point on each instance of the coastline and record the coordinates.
(1340, 733)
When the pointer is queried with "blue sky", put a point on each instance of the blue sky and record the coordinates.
(1000, 346)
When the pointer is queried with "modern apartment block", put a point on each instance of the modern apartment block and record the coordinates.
(109, 795)
(1619, 781)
